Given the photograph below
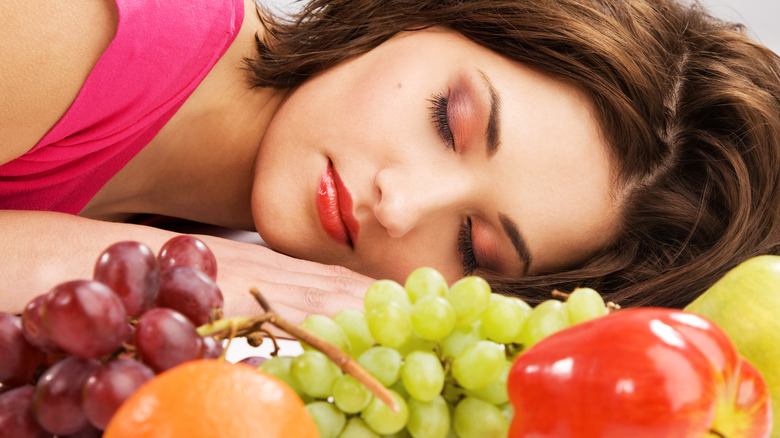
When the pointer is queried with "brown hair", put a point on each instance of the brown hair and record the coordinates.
(689, 104)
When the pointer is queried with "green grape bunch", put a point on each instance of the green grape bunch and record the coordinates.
(443, 352)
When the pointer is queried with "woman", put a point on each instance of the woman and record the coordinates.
(633, 147)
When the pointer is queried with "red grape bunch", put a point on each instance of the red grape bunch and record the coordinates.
(78, 351)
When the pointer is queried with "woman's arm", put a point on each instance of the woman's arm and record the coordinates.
(39, 250)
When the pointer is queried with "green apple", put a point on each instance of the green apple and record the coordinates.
(745, 303)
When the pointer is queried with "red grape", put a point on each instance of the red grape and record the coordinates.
(85, 318)
(16, 415)
(165, 338)
(19, 360)
(109, 386)
(253, 361)
(57, 400)
(212, 348)
(130, 270)
(191, 292)
(33, 328)
(185, 250)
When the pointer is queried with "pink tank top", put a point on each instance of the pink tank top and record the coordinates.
(161, 51)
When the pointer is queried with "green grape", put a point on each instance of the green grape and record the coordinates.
(433, 317)
(357, 428)
(329, 420)
(479, 365)
(495, 393)
(460, 338)
(355, 326)
(383, 363)
(429, 419)
(350, 395)
(584, 304)
(279, 367)
(383, 291)
(547, 318)
(314, 373)
(508, 411)
(504, 317)
(416, 343)
(469, 297)
(474, 418)
(401, 390)
(328, 330)
(379, 417)
(390, 324)
(422, 375)
(425, 281)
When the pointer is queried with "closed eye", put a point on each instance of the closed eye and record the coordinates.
(440, 119)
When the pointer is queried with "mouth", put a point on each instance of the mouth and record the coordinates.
(334, 207)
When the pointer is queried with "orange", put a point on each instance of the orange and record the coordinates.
(213, 398)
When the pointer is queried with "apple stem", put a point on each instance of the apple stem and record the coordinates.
(340, 358)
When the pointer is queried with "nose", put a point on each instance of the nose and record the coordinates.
(407, 198)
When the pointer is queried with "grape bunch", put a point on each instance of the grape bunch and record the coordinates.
(78, 351)
(444, 353)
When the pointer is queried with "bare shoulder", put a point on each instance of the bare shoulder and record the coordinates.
(48, 49)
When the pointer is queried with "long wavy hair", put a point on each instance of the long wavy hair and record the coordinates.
(689, 105)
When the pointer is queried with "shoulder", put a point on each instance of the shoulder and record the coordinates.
(48, 50)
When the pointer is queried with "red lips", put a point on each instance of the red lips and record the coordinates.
(334, 206)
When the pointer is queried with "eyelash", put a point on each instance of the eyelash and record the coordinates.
(466, 248)
(438, 110)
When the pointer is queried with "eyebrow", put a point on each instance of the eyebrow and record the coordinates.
(511, 229)
(493, 132)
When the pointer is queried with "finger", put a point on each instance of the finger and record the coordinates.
(306, 299)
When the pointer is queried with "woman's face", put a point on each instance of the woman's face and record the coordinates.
(431, 150)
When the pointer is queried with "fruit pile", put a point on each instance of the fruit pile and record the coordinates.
(443, 352)
(77, 352)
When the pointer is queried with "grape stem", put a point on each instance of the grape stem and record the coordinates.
(340, 358)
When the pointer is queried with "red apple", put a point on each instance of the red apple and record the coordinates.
(644, 372)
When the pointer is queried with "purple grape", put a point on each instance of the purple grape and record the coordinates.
(130, 270)
(16, 414)
(165, 338)
(33, 328)
(190, 292)
(57, 400)
(111, 385)
(85, 318)
(19, 360)
(88, 431)
(185, 250)
(253, 361)
(212, 348)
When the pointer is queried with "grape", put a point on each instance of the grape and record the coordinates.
(479, 365)
(584, 304)
(422, 375)
(379, 417)
(166, 338)
(88, 431)
(474, 418)
(383, 291)
(279, 367)
(469, 297)
(190, 292)
(109, 386)
(85, 318)
(433, 317)
(350, 395)
(383, 363)
(19, 360)
(190, 251)
(314, 373)
(130, 270)
(425, 281)
(416, 343)
(33, 328)
(212, 349)
(495, 393)
(329, 420)
(357, 428)
(326, 329)
(429, 419)
(57, 398)
(355, 326)
(460, 338)
(504, 318)
(547, 318)
(16, 415)
(390, 324)
(252, 361)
